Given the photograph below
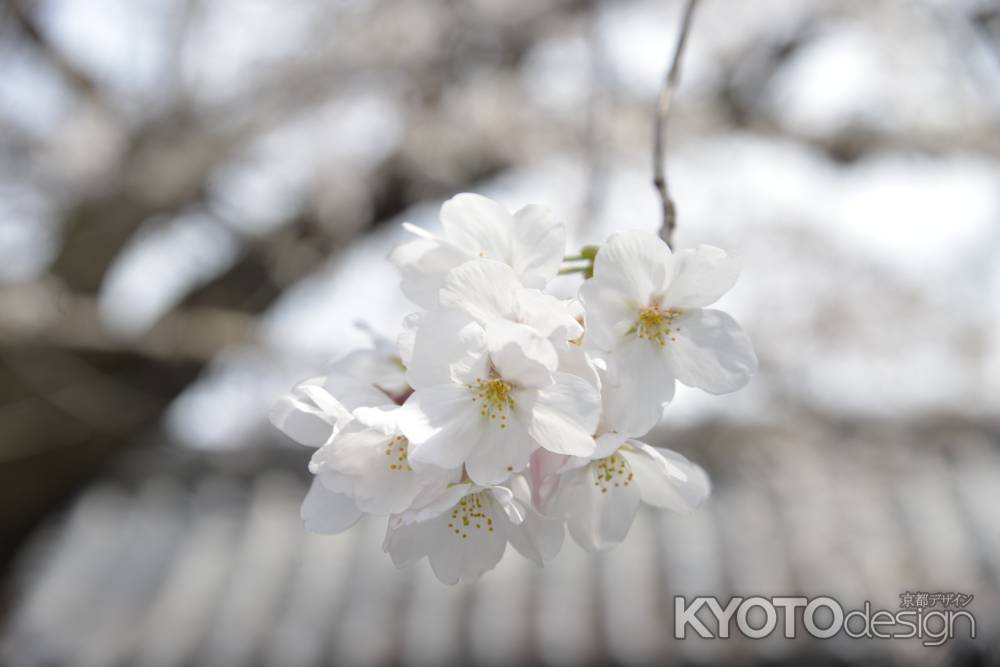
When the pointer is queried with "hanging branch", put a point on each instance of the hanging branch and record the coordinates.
(660, 126)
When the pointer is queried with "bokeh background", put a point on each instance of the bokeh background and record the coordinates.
(196, 199)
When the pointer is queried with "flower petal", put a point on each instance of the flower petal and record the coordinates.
(407, 338)
(464, 552)
(561, 417)
(711, 352)
(324, 511)
(443, 424)
(665, 478)
(380, 367)
(538, 538)
(422, 265)
(478, 225)
(521, 354)
(575, 360)
(504, 498)
(640, 384)
(407, 543)
(538, 247)
(482, 288)
(543, 477)
(384, 418)
(301, 421)
(434, 501)
(498, 452)
(346, 392)
(608, 444)
(638, 264)
(599, 513)
(547, 315)
(704, 274)
(355, 438)
(447, 347)
(609, 313)
(373, 469)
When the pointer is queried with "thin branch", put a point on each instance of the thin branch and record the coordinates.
(660, 126)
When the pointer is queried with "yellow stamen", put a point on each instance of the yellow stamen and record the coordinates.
(494, 397)
(656, 324)
(402, 461)
(470, 513)
(611, 471)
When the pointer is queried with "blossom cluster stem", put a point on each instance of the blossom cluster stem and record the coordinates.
(586, 255)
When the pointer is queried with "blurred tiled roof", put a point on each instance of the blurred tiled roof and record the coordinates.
(160, 567)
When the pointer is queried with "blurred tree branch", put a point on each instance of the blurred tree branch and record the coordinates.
(663, 105)
(42, 313)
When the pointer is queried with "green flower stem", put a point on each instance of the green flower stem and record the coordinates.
(587, 254)
(574, 269)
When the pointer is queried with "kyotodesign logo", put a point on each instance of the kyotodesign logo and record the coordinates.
(933, 618)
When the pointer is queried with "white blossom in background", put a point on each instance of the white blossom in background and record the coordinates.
(504, 414)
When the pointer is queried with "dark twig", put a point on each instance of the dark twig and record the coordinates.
(660, 126)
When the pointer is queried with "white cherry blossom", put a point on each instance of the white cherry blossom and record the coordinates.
(308, 414)
(646, 311)
(599, 497)
(316, 411)
(488, 291)
(368, 460)
(531, 241)
(379, 366)
(464, 530)
(483, 397)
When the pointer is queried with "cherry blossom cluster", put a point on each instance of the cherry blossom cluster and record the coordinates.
(505, 414)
